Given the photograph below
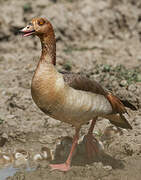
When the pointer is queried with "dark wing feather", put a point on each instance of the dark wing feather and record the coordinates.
(129, 105)
(82, 82)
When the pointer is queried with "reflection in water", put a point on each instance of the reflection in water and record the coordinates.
(19, 160)
(5, 172)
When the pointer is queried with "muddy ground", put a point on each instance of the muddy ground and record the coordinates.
(101, 38)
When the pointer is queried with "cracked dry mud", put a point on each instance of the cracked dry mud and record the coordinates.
(97, 37)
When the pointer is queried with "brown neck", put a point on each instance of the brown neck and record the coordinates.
(48, 44)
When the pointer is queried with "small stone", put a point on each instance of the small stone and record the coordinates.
(139, 58)
(107, 168)
(132, 88)
(12, 134)
(3, 92)
(115, 83)
(12, 123)
(98, 165)
(11, 116)
(4, 135)
(123, 83)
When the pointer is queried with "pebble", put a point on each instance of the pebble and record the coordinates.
(53, 122)
(115, 84)
(108, 168)
(12, 122)
(98, 164)
(5, 136)
(132, 88)
(123, 83)
(139, 58)
(11, 116)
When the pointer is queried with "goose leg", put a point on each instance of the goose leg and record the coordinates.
(91, 142)
(66, 166)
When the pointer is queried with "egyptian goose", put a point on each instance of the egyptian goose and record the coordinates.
(70, 97)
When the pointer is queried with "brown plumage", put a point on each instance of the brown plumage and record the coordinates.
(81, 82)
(70, 97)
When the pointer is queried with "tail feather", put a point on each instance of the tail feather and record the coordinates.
(117, 105)
(129, 105)
(119, 120)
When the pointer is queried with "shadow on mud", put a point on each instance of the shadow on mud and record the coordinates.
(105, 159)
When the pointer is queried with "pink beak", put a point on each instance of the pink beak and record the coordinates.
(28, 30)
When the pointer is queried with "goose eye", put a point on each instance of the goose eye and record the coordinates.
(41, 22)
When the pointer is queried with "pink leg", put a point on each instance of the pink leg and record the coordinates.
(91, 142)
(66, 166)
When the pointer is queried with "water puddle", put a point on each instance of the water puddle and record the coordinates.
(21, 160)
(9, 171)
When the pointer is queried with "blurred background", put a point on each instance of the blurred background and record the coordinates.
(101, 38)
